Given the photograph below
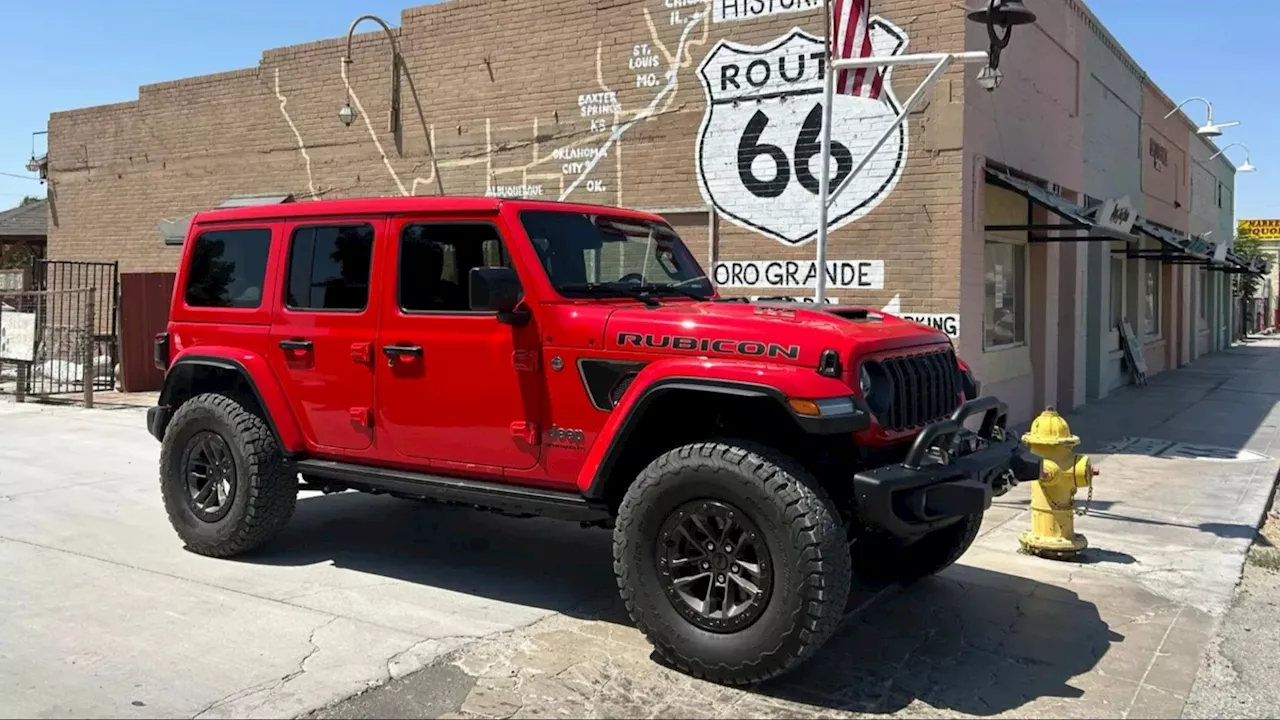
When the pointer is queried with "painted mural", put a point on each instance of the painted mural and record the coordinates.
(756, 153)
(758, 149)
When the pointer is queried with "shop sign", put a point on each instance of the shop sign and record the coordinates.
(948, 323)
(1261, 229)
(798, 274)
(1117, 214)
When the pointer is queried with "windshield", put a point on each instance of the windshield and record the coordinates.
(603, 255)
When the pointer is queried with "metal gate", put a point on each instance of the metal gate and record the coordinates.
(76, 331)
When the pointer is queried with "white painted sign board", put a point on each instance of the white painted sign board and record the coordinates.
(17, 336)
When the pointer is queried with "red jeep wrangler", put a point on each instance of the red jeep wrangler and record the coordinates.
(573, 361)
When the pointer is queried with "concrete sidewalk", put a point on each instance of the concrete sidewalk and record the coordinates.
(1186, 468)
(106, 615)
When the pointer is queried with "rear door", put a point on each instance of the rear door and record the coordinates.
(323, 330)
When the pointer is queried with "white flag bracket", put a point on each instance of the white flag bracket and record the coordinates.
(940, 61)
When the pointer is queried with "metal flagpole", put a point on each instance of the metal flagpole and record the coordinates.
(824, 180)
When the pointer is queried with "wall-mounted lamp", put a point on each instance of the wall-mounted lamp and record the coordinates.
(39, 165)
(1209, 129)
(1002, 14)
(347, 115)
(1247, 167)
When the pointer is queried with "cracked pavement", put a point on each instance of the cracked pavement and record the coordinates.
(376, 607)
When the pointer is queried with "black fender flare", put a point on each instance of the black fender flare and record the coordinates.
(859, 419)
(158, 417)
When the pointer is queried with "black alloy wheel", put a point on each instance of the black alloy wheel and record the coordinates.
(714, 565)
(210, 472)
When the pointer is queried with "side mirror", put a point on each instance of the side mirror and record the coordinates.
(498, 288)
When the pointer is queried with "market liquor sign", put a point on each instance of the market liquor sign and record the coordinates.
(758, 148)
(1261, 229)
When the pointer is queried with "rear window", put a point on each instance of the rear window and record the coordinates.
(228, 268)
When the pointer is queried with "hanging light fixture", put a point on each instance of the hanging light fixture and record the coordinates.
(1002, 15)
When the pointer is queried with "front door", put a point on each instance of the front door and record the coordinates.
(451, 383)
(324, 327)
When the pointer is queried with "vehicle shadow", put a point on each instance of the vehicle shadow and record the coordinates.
(547, 564)
(971, 640)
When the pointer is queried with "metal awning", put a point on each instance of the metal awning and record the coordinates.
(174, 232)
(1237, 263)
(1178, 249)
(1076, 219)
(1175, 248)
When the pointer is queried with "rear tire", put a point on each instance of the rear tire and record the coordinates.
(224, 481)
(877, 560)
(775, 530)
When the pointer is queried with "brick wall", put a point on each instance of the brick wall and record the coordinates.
(596, 101)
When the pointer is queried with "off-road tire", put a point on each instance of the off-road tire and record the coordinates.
(803, 534)
(878, 561)
(266, 491)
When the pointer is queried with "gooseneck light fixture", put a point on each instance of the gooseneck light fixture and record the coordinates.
(1209, 129)
(1247, 167)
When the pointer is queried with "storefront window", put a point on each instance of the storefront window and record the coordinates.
(1203, 286)
(1151, 298)
(1117, 290)
(1004, 316)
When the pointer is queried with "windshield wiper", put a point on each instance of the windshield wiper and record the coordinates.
(629, 289)
(658, 287)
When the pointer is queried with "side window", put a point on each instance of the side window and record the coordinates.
(329, 268)
(228, 268)
(436, 261)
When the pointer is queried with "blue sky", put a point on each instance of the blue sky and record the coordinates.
(102, 51)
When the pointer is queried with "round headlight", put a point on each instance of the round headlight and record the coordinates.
(864, 381)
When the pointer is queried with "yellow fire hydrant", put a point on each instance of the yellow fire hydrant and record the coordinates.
(1053, 528)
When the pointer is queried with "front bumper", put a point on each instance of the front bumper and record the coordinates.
(949, 471)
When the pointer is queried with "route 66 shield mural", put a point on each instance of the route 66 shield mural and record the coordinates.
(758, 149)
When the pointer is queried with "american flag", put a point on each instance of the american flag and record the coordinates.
(851, 38)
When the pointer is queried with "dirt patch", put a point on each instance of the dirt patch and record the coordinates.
(1265, 552)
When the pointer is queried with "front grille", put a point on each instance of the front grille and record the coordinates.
(926, 388)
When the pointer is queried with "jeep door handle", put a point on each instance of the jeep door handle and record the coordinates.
(303, 345)
(395, 352)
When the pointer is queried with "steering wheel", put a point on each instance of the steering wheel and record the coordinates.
(632, 277)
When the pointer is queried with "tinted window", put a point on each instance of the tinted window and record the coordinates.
(329, 267)
(436, 261)
(228, 268)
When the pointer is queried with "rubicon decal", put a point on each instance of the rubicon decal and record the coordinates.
(723, 346)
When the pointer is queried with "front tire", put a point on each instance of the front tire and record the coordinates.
(224, 481)
(731, 560)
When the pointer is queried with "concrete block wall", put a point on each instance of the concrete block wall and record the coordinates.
(1113, 97)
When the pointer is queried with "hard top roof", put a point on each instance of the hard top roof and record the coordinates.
(400, 205)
